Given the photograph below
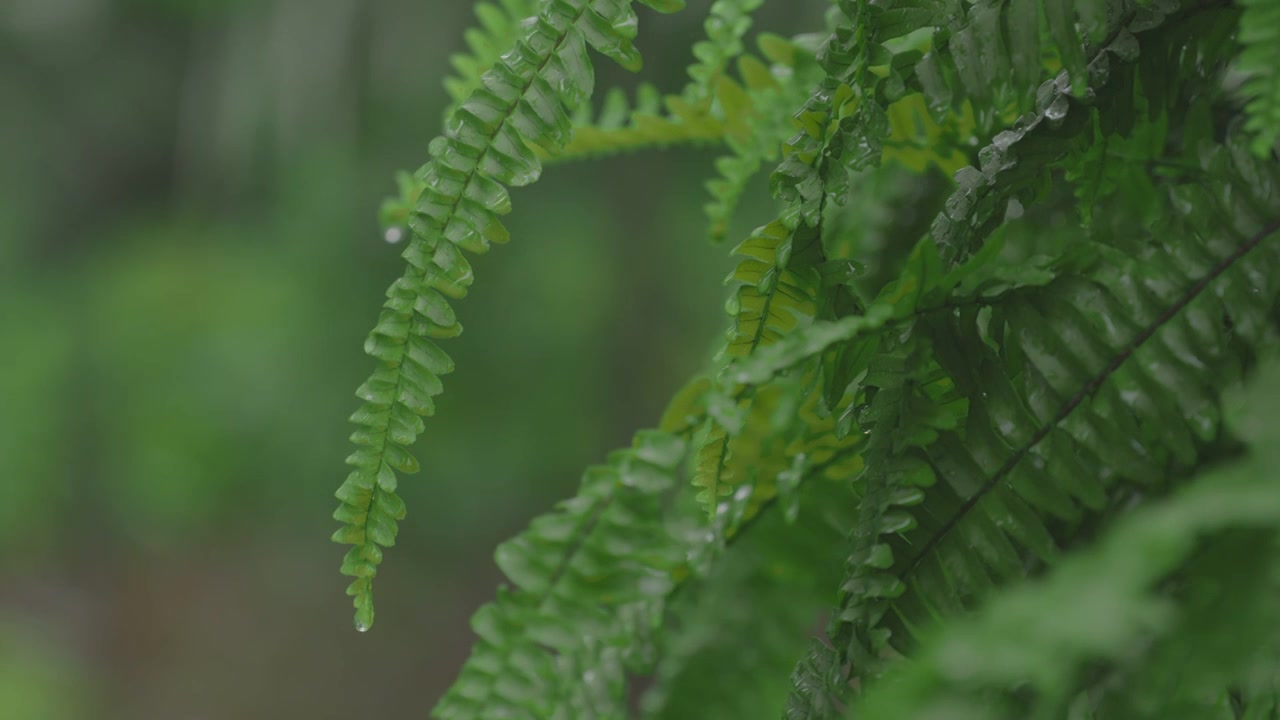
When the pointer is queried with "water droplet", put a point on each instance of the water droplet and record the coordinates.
(393, 235)
(993, 160)
(1013, 211)
(361, 627)
(959, 204)
(969, 178)
(1057, 109)
(1125, 46)
(1004, 139)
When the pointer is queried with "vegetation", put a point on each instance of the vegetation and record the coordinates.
(974, 407)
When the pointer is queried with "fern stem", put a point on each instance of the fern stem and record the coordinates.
(583, 532)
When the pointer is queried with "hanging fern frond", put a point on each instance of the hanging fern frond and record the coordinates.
(524, 100)
(1260, 59)
(498, 32)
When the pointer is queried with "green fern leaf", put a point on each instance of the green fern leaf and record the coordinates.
(499, 30)
(1014, 467)
(523, 100)
(1043, 361)
(1018, 649)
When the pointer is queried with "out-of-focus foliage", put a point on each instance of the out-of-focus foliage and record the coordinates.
(1007, 396)
(187, 227)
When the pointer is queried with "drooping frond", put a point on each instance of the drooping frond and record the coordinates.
(1260, 35)
(498, 32)
(523, 101)
(589, 580)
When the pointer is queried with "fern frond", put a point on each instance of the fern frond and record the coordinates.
(839, 131)
(778, 288)
(1260, 59)
(588, 580)
(498, 32)
(654, 122)
(998, 492)
(778, 280)
(757, 135)
(994, 55)
(730, 110)
(1022, 449)
(711, 472)
(523, 101)
(1232, 513)
(727, 23)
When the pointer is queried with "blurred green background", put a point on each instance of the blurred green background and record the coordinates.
(189, 262)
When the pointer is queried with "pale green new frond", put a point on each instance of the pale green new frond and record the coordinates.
(777, 282)
(654, 122)
(758, 134)
(727, 23)
(740, 112)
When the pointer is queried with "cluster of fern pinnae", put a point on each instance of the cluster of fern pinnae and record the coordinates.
(978, 408)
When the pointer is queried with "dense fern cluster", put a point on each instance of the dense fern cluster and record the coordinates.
(973, 410)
